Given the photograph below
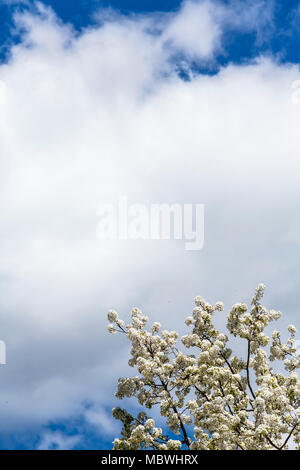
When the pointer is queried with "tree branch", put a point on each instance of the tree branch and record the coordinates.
(248, 372)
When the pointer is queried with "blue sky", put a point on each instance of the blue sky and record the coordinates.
(199, 111)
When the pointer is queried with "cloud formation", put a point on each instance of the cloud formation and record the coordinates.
(58, 441)
(86, 118)
(198, 28)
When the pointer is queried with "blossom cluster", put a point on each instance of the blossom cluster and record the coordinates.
(211, 399)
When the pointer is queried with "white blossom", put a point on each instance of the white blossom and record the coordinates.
(219, 306)
(112, 316)
(292, 329)
(111, 328)
(208, 397)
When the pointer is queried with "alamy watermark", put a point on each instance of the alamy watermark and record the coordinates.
(123, 221)
(2, 353)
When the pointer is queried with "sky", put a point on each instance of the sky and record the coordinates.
(163, 102)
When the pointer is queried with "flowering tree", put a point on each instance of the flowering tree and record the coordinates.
(211, 399)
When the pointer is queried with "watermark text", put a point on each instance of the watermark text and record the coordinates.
(123, 221)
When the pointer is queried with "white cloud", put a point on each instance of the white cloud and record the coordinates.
(101, 420)
(58, 441)
(197, 29)
(193, 30)
(84, 120)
